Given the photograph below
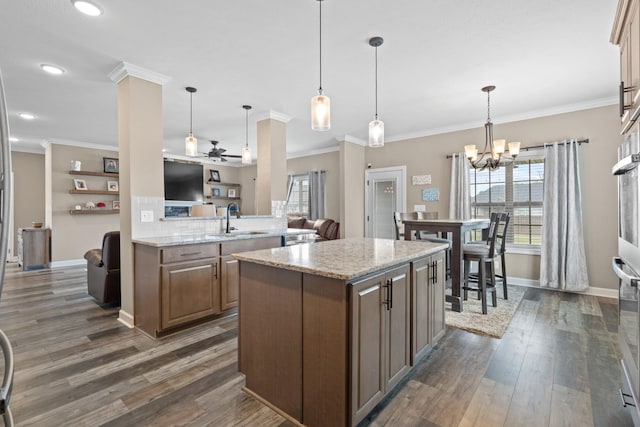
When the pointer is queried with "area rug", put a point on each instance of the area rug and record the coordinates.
(495, 322)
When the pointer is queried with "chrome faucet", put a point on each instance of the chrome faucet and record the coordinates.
(237, 215)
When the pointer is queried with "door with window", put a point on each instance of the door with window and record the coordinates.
(385, 193)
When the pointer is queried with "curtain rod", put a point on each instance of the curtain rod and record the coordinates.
(534, 147)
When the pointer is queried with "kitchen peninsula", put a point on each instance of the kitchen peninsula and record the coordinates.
(326, 330)
(184, 279)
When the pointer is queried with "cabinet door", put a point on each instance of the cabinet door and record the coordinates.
(398, 328)
(437, 284)
(188, 291)
(368, 310)
(421, 333)
(229, 282)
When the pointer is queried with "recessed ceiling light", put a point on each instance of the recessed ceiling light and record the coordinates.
(13, 139)
(164, 150)
(27, 116)
(52, 69)
(87, 7)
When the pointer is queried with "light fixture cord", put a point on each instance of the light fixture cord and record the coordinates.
(320, 88)
(191, 113)
(246, 127)
(376, 82)
(488, 106)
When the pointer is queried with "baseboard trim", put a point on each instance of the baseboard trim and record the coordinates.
(592, 290)
(126, 319)
(67, 263)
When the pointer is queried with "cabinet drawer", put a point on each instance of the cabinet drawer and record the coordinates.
(250, 245)
(189, 252)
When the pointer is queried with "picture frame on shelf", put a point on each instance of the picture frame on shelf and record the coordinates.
(80, 184)
(215, 192)
(112, 186)
(111, 165)
(215, 175)
(231, 192)
(116, 204)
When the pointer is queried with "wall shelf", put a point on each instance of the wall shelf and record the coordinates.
(93, 211)
(223, 198)
(104, 192)
(89, 173)
(226, 184)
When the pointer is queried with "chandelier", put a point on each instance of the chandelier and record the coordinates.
(492, 155)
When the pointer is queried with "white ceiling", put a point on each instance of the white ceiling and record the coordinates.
(544, 56)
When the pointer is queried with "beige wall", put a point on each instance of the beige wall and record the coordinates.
(427, 155)
(328, 162)
(28, 192)
(73, 235)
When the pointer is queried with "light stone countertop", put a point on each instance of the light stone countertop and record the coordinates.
(190, 239)
(343, 259)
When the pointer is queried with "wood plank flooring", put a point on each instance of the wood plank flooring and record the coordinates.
(76, 365)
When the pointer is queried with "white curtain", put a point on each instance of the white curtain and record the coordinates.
(459, 198)
(316, 194)
(563, 264)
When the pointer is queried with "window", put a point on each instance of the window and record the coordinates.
(298, 200)
(515, 188)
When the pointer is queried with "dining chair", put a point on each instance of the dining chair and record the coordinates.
(485, 255)
(501, 251)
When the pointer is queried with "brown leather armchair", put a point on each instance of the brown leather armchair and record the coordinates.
(103, 270)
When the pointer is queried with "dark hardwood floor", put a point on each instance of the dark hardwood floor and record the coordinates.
(557, 365)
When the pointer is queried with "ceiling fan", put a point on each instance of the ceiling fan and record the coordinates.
(217, 154)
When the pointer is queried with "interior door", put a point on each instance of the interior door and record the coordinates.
(385, 193)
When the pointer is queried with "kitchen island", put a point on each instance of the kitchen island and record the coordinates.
(326, 330)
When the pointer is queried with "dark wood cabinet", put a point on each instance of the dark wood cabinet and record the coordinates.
(174, 285)
(355, 341)
(380, 329)
(178, 285)
(188, 291)
(626, 34)
(368, 344)
(427, 304)
(230, 268)
(229, 282)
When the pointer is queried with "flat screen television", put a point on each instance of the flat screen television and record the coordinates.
(183, 181)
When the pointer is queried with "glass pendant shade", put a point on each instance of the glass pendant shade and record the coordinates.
(320, 112)
(191, 145)
(246, 156)
(376, 133)
(514, 148)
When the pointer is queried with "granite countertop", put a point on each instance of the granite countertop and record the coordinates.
(189, 239)
(343, 259)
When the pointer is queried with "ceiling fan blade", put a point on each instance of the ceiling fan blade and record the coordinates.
(231, 155)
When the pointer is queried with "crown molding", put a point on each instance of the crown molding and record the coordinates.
(351, 139)
(271, 114)
(125, 69)
(84, 145)
(312, 152)
(535, 114)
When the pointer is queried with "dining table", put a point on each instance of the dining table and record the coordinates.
(456, 230)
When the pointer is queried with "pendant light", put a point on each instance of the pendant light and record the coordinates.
(320, 104)
(191, 142)
(376, 127)
(246, 151)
